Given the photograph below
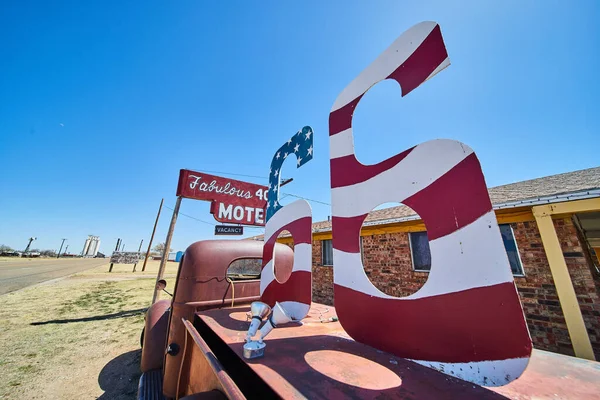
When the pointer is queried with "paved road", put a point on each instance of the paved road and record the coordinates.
(15, 275)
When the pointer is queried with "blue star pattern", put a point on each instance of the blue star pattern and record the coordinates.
(299, 145)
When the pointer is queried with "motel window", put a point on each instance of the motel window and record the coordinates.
(327, 252)
(421, 256)
(419, 248)
(510, 244)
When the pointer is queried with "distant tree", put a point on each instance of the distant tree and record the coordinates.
(159, 248)
(4, 248)
(48, 253)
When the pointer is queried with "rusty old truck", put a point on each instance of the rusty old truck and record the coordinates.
(193, 346)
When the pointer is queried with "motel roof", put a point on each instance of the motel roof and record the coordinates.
(568, 186)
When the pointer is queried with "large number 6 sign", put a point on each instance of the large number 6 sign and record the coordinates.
(466, 320)
(295, 294)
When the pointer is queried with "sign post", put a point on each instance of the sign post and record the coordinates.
(163, 260)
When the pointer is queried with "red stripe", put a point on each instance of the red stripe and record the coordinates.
(341, 119)
(348, 239)
(473, 325)
(426, 58)
(347, 170)
(296, 288)
(301, 231)
(456, 199)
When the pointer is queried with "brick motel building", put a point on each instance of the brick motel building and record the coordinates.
(551, 231)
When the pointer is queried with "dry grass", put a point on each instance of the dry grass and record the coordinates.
(77, 337)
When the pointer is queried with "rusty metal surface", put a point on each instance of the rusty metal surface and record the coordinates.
(315, 359)
(224, 382)
(155, 335)
(201, 282)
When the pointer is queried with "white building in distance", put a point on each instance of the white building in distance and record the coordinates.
(91, 246)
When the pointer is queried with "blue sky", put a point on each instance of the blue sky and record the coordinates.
(101, 103)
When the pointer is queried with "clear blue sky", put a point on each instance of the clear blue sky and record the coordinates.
(102, 102)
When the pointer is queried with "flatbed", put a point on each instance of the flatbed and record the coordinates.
(315, 358)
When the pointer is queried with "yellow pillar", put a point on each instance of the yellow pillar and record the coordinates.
(564, 285)
(597, 251)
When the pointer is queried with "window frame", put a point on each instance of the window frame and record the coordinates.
(512, 232)
(323, 252)
(244, 280)
(412, 258)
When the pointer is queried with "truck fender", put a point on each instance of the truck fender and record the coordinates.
(154, 335)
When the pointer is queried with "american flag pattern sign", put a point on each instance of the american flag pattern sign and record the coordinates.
(466, 320)
(301, 146)
(295, 294)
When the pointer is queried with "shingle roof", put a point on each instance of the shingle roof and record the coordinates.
(511, 195)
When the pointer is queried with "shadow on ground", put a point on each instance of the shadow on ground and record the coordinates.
(119, 378)
(121, 314)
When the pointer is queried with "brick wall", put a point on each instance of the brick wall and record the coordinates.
(388, 265)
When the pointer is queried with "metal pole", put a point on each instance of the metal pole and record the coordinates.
(116, 249)
(152, 237)
(61, 245)
(139, 249)
(66, 248)
(163, 260)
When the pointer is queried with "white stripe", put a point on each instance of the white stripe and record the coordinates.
(341, 144)
(424, 164)
(471, 257)
(295, 310)
(285, 215)
(267, 276)
(485, 373)
(387, 62)
(302, 257)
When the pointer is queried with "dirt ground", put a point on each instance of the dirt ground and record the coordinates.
(76, 337)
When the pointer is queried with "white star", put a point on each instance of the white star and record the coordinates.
(296, 148)
(270, 187)
(269, 205)
(276, 173)
(270, 171)
(289, 141)
(309, 151)
(275, 189)
(277, 156)
(299, 132)
(308, 134)
(285, 155)
(299, 159)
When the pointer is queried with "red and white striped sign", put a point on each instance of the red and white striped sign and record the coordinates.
(295, 294)
(467, 319)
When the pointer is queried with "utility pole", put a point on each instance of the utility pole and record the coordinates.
(31, 239)
(152, 237)
(139, 250)
(116, 249)
(66, 248)
(59, 250)
(163, 261)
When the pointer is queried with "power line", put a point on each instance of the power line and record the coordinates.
(209, 223)
(305, 198)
